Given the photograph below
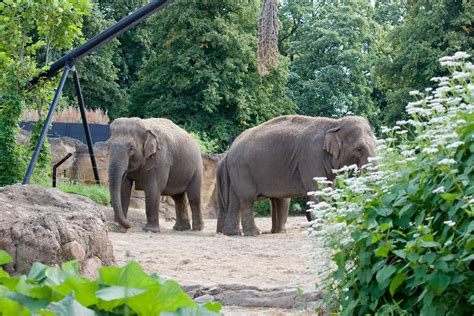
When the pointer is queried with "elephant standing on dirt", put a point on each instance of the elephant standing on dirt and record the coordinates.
(279, 159)
(162, 159)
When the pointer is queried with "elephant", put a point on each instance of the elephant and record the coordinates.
(279, 160)
(160, 158)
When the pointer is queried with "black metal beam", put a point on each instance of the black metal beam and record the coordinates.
(103, 38)
(87, 131)
(46, 125)
(56, 166)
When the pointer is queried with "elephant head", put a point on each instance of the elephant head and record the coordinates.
(131, 147)
(350, 142)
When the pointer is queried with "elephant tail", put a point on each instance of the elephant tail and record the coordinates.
(223, 188)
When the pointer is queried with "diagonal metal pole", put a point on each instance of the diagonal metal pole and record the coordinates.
(46, 125)
(87, 131)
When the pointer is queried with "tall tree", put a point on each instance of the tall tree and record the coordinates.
(430, 30)
(331, 72)
(30, 31)
(98, 72)
(204, 74)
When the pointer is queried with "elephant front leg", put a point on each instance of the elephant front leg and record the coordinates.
(182, 217)
(152, 205)
(280, 209)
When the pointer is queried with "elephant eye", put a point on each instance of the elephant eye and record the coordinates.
(130, 149)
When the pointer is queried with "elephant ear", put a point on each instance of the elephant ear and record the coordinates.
(332, 142)
(151, 144)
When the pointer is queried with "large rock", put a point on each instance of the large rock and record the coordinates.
(50, 226)
(208, 187)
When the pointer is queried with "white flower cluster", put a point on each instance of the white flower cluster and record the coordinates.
(433, 124)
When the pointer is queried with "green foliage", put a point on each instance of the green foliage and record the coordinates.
(97, 193)
(204, 74)
(98, 72)
(330, 74)
(262, 208)
(29, 33)
(118, 291)
(206, 144)
(430, 29)
(402, 233)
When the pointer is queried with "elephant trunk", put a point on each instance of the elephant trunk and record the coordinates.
(117, 169)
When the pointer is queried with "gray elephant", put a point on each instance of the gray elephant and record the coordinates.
(279, 159)
(160, 158)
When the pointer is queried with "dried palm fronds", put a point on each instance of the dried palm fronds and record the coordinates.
(268, 53)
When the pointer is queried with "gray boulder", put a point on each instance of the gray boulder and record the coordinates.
(51, 227)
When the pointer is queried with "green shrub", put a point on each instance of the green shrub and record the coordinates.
(262, 208)
(401, 234)
(118, 291)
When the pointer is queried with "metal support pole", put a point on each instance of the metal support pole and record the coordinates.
(87, 131)
(56, 166)
(46, 125)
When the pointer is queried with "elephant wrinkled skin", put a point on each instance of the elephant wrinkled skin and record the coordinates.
(160, 158)
(279, 160)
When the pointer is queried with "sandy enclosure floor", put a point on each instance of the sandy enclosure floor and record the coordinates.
(207, 258)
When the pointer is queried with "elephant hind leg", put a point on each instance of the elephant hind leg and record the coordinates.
(194, 196)
(248, 218)
(232, 218)
(182, 217)
(280, 208)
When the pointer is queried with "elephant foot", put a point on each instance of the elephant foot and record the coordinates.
(182, 227)
(199, 226)
(254, 232)
(151, 228)
(231, 232)
(278, 230)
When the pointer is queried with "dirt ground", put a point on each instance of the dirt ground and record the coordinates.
(270, 261)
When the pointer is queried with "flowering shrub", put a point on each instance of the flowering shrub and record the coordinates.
(401, 233)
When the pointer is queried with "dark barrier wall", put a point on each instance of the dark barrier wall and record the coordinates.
(99, 132)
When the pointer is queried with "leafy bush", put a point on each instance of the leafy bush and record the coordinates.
(401, 234)
(262, 208)
(118, 291)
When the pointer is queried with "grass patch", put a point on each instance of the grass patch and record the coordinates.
(96, 193)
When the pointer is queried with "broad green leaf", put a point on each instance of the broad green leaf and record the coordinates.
(186, 311)
(439, 282)
(385, 273)
(54, 276)
(449, 196)
(10, 307)
(31, 290)
(31, 303)
(115, 292)
(37, 271)
(430, 244)
(397, 281)
(132, 275)
(381, 251)
(69, 306)
(4, 274)
(71, 269)
(5, 257)
(400, 253)
(213, 306)
(84, 290)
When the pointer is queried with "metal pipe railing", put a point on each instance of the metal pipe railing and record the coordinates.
(103, 38)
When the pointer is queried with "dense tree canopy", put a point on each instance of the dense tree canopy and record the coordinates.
(330, 74)
(430, 30)
(204, 74)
